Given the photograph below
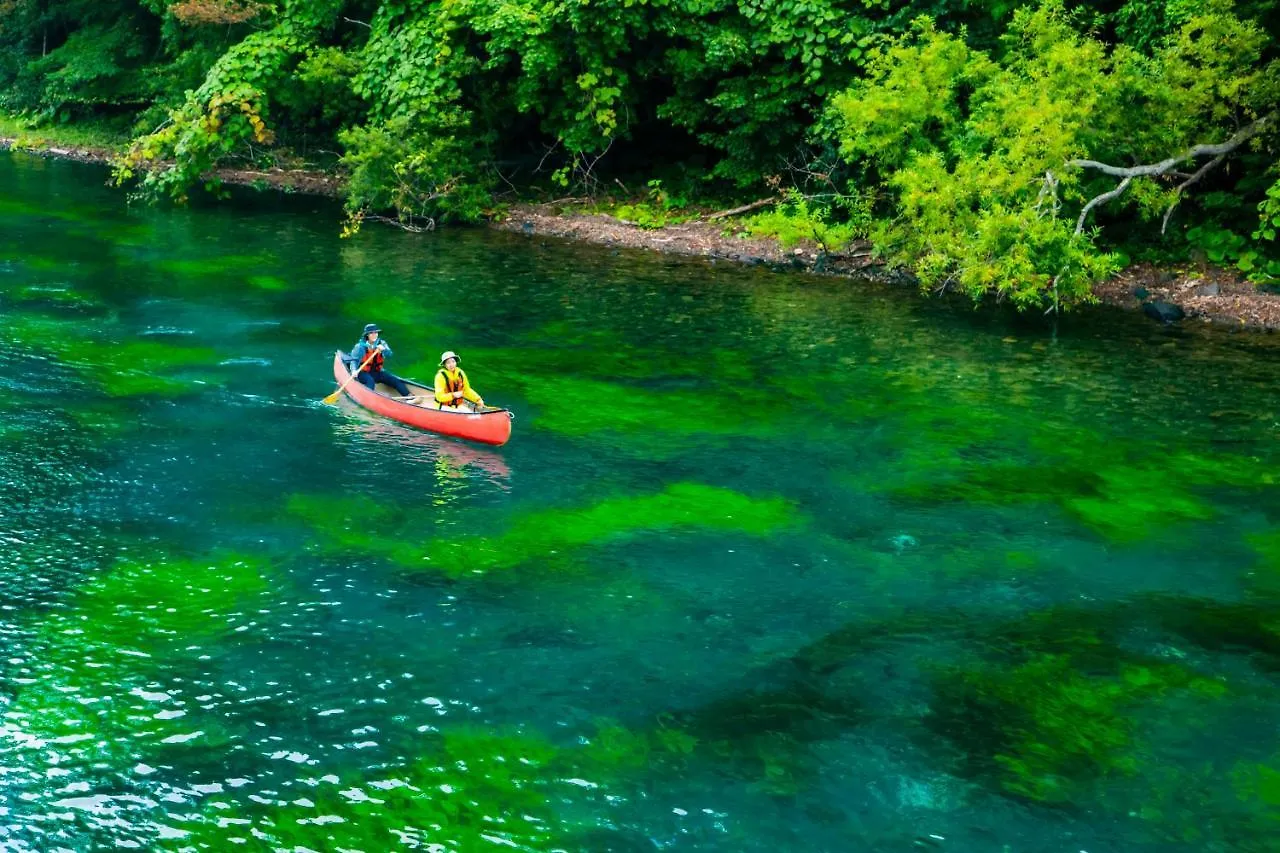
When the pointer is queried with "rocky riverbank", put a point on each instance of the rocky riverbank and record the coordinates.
(306, 181)
(1204, 294)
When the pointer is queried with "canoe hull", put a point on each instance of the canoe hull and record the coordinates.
(493, 428)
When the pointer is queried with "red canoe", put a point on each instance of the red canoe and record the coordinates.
(492, 426)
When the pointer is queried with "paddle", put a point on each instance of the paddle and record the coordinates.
(333, 398)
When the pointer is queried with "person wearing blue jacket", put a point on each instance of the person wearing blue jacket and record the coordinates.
(371, 344)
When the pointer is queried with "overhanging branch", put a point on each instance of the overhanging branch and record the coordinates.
(1191, 179)
(746, 208)
(1217, 151)
(1101, 199)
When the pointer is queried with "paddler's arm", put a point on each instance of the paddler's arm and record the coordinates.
(358, 354)
(468, 392)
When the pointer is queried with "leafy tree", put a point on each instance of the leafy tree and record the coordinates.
(57, 58)
(232, 105)
(994, 163)
(994, 138)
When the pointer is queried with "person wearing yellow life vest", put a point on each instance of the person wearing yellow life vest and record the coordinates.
(453, 390)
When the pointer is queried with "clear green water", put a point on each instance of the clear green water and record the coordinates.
(769, 564)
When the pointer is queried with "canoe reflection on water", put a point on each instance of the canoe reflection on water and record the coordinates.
(453, 458)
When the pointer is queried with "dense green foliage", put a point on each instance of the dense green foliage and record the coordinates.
(977, 151)
(950, 134)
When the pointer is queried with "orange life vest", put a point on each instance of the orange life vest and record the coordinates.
(451, 387)
(374, 363)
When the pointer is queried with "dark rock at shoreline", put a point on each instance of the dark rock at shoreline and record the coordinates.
(1163, 312)
(1141, 293)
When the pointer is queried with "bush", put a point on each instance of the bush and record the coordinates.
(419, 173)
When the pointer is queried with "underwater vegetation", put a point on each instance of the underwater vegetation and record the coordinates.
(125, 368)
(137, 367)
(584, 393)
(1123, 493)
(216, 266)
(546, 536)
(1069, 706)
(822, 566)
(466, 788)
(1264, 578)
(1048, 727)
(89, 686)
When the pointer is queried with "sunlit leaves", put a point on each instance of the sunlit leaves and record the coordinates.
(975, 151)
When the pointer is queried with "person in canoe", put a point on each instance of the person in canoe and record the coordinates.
(372, 344)
(453, 391)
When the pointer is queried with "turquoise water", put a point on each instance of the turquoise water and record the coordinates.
(770, 563)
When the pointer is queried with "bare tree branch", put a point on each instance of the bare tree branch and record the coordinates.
(1218, 151)
(1049, 192)
(550, 150)
(1101, 199)
(505, 179)
(589, 183)
(1177, 193)
(407, 226)
(1055, 308)
(354, 21)
(746, 208)
(1241, 136)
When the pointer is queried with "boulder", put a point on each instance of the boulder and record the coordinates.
(1163, 312)
(1210, 289)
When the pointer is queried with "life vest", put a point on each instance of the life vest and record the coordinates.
(375, 363)
(451, 386)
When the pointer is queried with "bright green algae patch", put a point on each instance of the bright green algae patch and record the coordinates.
(1058, 708)
(90, 689)
(1267, 546)
(542, 534)
(586, 407)
(218, 265)
(469, 790)
(577, 394)
(466, 789)
(1053, 727)
(139, 367)
(120, 368)
(1257, 789)
(1123, 491)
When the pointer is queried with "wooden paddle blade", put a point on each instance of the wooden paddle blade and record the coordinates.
(333, 398)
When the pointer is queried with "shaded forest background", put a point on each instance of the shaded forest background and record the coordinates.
(1024, 151)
